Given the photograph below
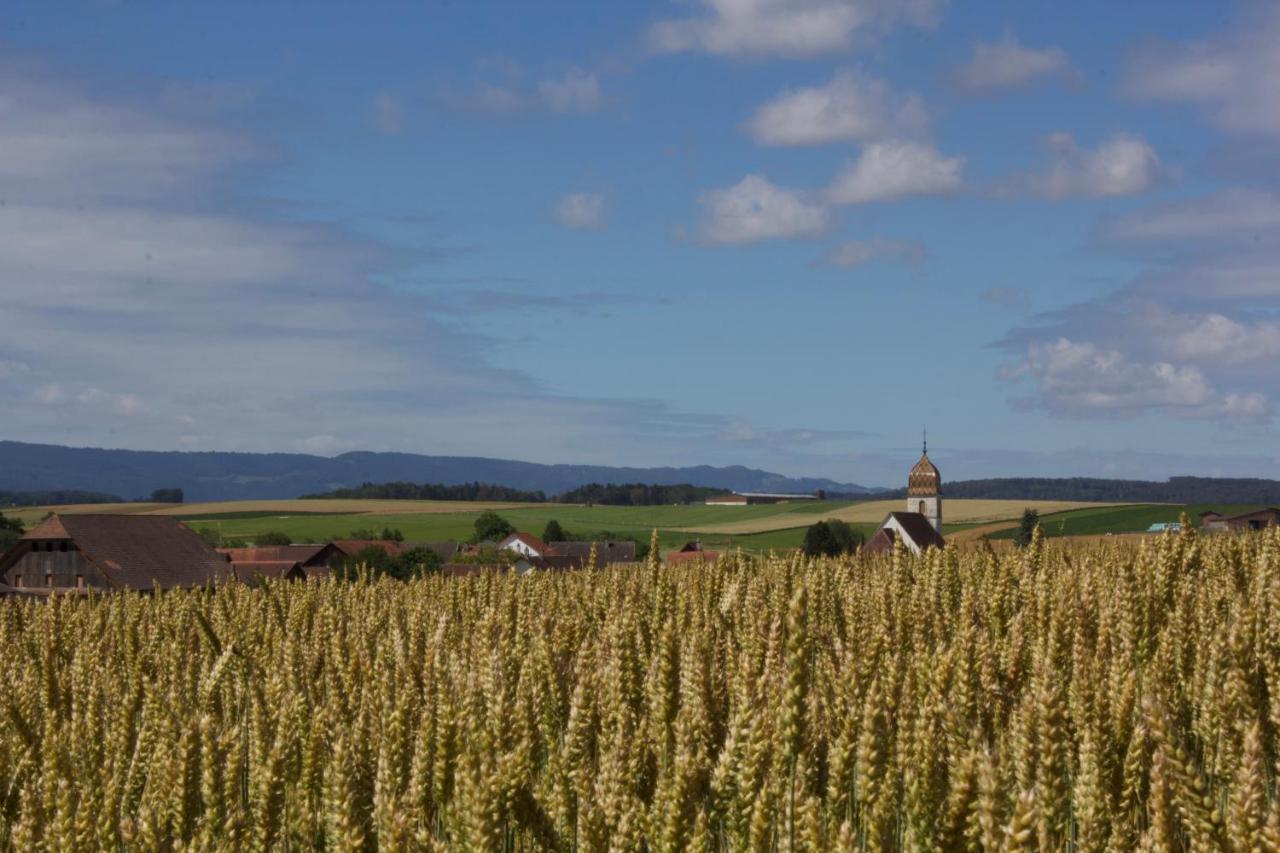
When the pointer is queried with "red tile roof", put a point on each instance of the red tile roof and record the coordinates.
(677, 557)
(527, 538)
(351, 547)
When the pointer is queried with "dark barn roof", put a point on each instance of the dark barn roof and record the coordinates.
(136, 551)
(606, 552)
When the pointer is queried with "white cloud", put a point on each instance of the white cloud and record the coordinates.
(1240, 213)
(890, 170)
(1233, 75)
(1006, 63)
(1122, 165)
(856, 253)
(1212, 338)
(786, 27)
(388, 113)
(853, 106)
(574, 92)
(583, 211)
(1081, 379)
(754, 209)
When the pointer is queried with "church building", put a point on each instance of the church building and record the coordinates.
(920, 527)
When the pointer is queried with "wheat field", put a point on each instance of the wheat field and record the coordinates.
(1111, 696)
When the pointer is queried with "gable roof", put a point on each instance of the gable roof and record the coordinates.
(527, 538)
(275, 553)
(253, 570)
(606, 552)
(351, 547)
(137, 551)
(917, 527)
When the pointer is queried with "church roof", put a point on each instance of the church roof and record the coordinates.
(924, 479)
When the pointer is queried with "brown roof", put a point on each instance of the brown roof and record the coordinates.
(692, 556)
(919, 529)
(880, 542)
(274, 553)
(459, 570)
(446, 550)
(139, 551)
(606, 552)
(269, 569)
(527, 538)
(351, 547)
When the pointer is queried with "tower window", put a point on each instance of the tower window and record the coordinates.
(923, 510)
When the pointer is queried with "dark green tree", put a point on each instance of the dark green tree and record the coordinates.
(212, 536)
(553, 532)
(392, 535)
(819, 541)
(414, 563)
(10, 532)
(1027, 527)
(167, 496)
(271, 538)
(845, 536)
(490, 526)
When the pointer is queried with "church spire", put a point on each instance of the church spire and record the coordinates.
(926, 441)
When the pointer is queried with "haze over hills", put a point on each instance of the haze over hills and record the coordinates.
(262, 476)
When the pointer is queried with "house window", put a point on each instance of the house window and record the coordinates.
(62, 546)
(79, 581)
(17, 579)
(48, 578)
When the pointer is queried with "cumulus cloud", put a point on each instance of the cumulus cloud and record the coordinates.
(388, 113)
(1007, 63)
(149, 278)
(852, 106)
(754, 209)
(856, 253)
(1233, 75)
(1081, 379)
(896, 169)
(792, 28)
(582, 211)
(574, 92)
(1121, 165)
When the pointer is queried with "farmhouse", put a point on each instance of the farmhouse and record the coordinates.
(288, 562)
(690, 553)
(1256, 519)
(525, 544)
(607, 553)
(920, 527)
(111, 552)
(751, 498)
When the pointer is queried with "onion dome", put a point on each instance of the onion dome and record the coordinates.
(924, 480)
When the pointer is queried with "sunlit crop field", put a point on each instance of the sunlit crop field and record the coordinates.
(1067, 696)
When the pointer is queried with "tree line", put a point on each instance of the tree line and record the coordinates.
(432, 492)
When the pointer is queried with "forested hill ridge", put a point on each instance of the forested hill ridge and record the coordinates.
(1175, 490)
(212, 476)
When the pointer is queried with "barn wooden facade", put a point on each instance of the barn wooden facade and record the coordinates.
(109, 552)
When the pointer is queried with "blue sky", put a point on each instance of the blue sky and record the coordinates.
(780, 234)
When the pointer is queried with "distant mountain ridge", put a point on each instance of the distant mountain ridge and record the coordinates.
(209, 476)
(1175, 490)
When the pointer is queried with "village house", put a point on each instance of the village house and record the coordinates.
(920, 527)
(691, 553)
(1254, 519)
(752, 498)
(284, 562)
(111, 552)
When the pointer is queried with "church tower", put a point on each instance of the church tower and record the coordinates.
(924, 490)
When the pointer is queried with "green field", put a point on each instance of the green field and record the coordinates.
(1119, 519)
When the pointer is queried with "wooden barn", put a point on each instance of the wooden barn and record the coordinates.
(111, 552)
